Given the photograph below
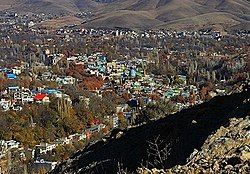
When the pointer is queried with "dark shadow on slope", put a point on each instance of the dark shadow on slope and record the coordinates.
(178, 129)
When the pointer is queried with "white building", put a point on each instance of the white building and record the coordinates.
(68, 80)
(12, 144)
(16, 70)
(5, 104)
(43, 148)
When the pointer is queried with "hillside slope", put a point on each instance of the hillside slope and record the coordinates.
(181, 132)
(50, 6)
(226, 151)
(175, 13)
(8, 4)
(217, 20)
(145, 14)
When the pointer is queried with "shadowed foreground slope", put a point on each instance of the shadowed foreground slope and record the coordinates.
(185, 131)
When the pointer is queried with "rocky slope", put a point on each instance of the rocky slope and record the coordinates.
(177, 135)
(227, 151)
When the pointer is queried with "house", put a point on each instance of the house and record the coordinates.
(41, 98)
(212, 94)
(3, 151)
(121, 108)
(51, 91)
(73, 137)
(46, 76)
(5, 104)
(128, 116)
(17, 107)
(13, 89)
(56, 58)
(82, 136)
(43, 148)
(3, 148)
(11, 76)
(12, 144)
(17, 96)
(16, 70)
(3, 145)
(68, 80)
(5, 70)
(24, 96)
(95, 128)
(63, 141)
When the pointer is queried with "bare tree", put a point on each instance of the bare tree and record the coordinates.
(121, 169)
(158, 152)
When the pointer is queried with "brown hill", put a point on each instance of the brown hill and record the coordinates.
(50, 6)
(217, 20)
(61, 22)
(126, 19)
(145, 14)
(7, 4)
(219, 14)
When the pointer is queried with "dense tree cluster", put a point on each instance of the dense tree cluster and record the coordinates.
(156, 110)
(44, 123)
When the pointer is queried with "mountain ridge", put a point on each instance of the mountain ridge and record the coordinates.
(148, 14)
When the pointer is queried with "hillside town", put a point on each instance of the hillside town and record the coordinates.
(63, 89)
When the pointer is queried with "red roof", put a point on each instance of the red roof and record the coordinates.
(39, 97)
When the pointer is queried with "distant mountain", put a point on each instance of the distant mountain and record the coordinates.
(50, 6)
(145, 14)
(176, 14)
(180, 133)
(8, 4)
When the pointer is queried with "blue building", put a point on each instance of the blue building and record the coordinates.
(11, 76)
(51, 91)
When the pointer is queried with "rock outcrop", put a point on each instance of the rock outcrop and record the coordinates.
(227, 151)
